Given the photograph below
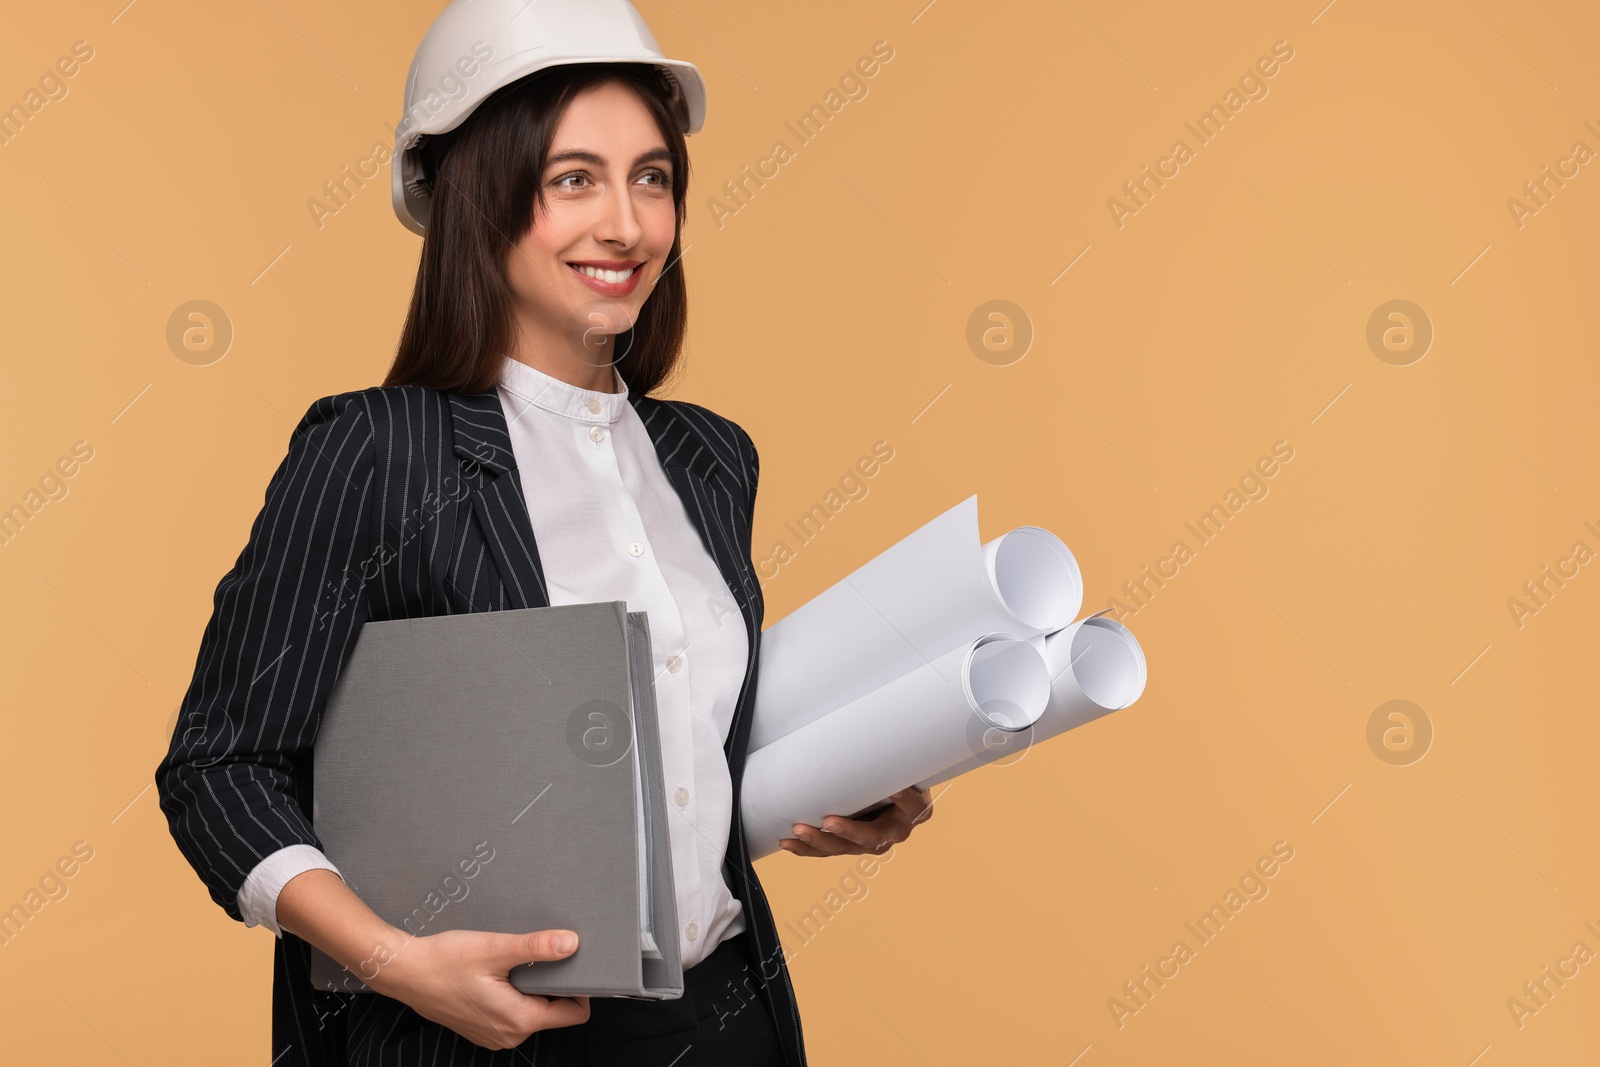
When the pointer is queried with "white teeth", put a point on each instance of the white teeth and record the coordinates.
(610, 276)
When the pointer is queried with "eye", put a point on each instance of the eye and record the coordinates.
(577, 174)
(663, 179)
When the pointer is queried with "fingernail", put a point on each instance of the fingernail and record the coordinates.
(566, 942)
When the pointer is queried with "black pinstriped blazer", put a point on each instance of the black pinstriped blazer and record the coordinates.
(399, 502)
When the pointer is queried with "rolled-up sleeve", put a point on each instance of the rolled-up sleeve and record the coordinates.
(258, 896)
(284, 621)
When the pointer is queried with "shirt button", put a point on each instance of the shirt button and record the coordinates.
(674, 664)
(692, 931)
(635, 548)
(593, 405)
(681, 796)
(597, 433)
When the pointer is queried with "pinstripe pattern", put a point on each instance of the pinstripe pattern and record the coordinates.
(403, 502)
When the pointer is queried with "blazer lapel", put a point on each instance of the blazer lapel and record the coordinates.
(483, 447)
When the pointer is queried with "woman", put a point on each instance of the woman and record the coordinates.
(511, 459)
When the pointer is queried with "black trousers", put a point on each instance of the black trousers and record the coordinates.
(720, 1019)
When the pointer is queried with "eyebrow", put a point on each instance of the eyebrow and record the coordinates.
(593, 159)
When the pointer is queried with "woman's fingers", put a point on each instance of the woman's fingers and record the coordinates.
(869, 837)
(845, 837)
(564, 1011)
(800, 848)
(916, 803)
(826, 841)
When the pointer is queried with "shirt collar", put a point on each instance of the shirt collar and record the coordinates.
(542, 390)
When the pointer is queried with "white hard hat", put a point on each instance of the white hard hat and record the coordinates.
(499, 41)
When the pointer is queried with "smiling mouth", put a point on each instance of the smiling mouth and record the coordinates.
(610, 277)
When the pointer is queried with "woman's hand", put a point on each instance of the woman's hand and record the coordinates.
(852, 837)
(458, 979)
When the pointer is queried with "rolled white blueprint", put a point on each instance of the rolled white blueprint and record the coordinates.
(1096, 667)
(904, 609)
(913, 726)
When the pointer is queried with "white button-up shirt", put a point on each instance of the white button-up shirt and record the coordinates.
(610, 526)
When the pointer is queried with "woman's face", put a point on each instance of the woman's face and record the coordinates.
(608, 212)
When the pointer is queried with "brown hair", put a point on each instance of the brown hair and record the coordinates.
(486, 178)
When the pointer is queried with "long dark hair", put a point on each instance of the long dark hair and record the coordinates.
(486, 180)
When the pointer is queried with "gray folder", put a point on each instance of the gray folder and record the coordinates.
(501, 771)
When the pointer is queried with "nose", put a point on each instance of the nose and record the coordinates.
(618, 223)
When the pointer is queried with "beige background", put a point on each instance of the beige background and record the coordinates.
(831, 311)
